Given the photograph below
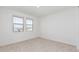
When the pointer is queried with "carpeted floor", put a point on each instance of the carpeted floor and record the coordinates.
(38, 45)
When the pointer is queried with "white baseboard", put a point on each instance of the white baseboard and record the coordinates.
(64, 42)
(14, 42)
(37, 38)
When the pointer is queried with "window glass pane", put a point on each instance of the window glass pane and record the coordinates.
(18, 20)
(28, 21)
(18, 28)
(29, 29)
(29, 25)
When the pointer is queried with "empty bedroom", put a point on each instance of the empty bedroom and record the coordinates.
(39, 28)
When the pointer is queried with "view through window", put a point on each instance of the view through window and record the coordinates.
(29, 24)
(18, 24)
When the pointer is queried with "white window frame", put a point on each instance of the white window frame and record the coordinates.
(18, 23)
(26, 28)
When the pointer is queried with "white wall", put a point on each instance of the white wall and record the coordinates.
(7, 35)
(61, 26)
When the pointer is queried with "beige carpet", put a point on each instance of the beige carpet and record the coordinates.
(38, 45)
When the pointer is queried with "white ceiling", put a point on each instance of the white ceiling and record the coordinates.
(38, 12)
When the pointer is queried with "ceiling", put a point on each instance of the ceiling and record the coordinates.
(38, 12)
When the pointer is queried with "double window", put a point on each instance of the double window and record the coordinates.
(19, 25)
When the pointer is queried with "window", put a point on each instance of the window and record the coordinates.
(29, 24)
(18, 24)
